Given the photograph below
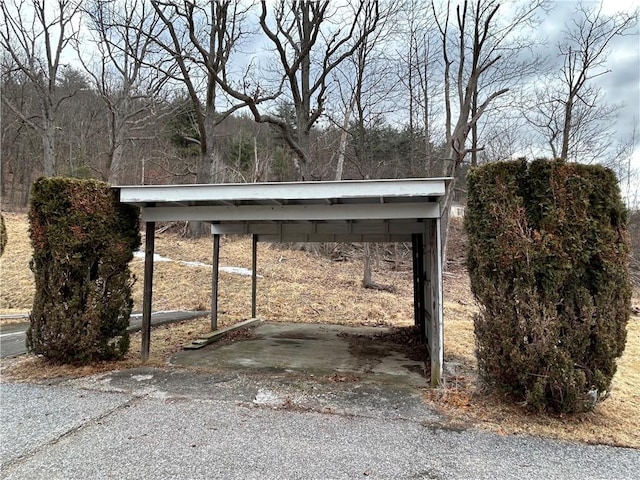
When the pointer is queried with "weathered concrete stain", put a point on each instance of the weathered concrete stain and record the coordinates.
(370, 354)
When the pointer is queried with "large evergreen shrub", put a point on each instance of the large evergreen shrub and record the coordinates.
(83, 240)
(548, 260)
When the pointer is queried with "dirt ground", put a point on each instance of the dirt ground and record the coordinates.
(326, 288)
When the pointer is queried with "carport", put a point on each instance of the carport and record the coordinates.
(406, 210)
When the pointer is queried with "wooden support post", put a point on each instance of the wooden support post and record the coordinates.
(436, 341)
(416, 294)
(428, 278)
(147, 297)
(214, 282)
(419, 284)
(254, 275)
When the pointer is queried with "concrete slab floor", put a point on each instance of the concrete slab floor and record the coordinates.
(366, 354)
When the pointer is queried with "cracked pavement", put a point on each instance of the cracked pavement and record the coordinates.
(184, 424)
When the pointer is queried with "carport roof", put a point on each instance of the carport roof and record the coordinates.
(350, 210)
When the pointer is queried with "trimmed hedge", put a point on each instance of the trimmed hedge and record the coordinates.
(548, 260)
(83, 240)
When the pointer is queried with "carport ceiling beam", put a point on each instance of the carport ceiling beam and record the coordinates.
(359, 228)
(384, 211)
(342, 238)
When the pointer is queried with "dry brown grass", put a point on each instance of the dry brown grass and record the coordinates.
(16, 279)
(293, 285)
(165, 341)
(303, 287)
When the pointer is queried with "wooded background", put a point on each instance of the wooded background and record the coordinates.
(150, 91)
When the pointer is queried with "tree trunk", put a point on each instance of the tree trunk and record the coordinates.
(444, 222)
(48, 140)
(208, 170)
(302, 162)
(117, 135)
(474, 129)
(304, 142)
(429, 163)
(116, 161)
(343, 142)
(260, 171)
(366, 276)
(566, 127)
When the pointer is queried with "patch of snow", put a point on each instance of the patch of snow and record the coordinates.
(141, 378)
(195, 264)
(136, 315)
(237, 270)
(156, 257)
(233, 270)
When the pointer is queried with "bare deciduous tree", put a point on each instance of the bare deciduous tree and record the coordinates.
(585, 53)
(201, 39)
(476, 50)
(120, 74)
(472, 52)
(570, 112)
(20, 145)
(34, 34)
(369, 96)
(300, 32)
(418, 76)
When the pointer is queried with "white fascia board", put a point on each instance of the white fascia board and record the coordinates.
(268, 192)
(292, 212)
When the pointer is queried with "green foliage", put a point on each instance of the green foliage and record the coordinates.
(83, 240)
(282, 166)
(3, 235)
(240, 151)
(548, 260)
(79, 170)
(382, 150)
(286, 111)
(184, 134)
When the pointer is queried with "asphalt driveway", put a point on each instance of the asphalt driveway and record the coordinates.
(179, 424)
(283, 401)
